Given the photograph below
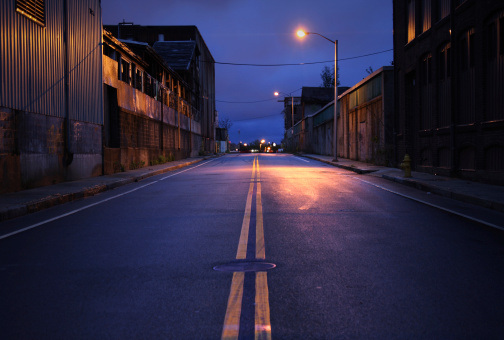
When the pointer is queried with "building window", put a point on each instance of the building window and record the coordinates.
(426, 15)
(444, 64)
(467, 47)
(501, 34)
(33, 9)
(426, 68)
(494, 67)
(411, 19)
(125, 71)
(491, 45)
(138, 79)
(442, 9)
(426, 93)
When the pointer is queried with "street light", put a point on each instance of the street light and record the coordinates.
(260, 144)
(301, 34)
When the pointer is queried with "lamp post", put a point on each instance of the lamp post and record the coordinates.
(301, 34)
(260, 144)
(292, 107)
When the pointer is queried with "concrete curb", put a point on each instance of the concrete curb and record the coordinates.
(346, 167)
(422, 185)
(447, 193)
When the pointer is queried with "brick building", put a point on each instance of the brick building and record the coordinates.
(184, 50)
(147, 111)
(449, 86)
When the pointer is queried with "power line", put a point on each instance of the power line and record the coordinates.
(242, 120)
(299, 64)
(255, 101)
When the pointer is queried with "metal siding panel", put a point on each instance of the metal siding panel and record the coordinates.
(30, 74)
(85, 61)
(32, 68)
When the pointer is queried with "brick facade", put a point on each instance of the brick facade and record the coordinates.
(449, 86)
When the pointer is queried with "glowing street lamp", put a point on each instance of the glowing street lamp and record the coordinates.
(302, 34)
(262, 142)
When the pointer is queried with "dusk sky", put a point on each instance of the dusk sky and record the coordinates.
(263, 32)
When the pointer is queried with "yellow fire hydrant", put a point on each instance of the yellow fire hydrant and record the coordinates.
(406, 165)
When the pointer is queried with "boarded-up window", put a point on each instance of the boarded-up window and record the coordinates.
(33, 9)
(411, 19)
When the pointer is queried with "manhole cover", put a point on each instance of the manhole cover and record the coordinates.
(245, 267)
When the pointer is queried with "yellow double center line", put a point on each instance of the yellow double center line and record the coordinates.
(231, 327)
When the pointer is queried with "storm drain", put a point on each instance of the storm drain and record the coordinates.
(245, 267)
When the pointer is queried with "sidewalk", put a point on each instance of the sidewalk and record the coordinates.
(27, 201)
(485, 195)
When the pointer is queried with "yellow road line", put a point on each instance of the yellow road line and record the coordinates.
(260, 251)
(231, 327)
(241, 254)
(258, 172)
(262, 310)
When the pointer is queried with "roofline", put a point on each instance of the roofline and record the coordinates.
(194, 26)
(124, 47)
(359, 84)
(365, 80)
(188, 66)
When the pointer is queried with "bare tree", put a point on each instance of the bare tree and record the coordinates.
(327, 76)
(225, 123)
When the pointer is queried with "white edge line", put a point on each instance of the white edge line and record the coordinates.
(194, 167)
(304, 160)
(91, 205)
(435, 206)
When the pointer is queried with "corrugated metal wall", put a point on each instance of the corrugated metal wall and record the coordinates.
(31, 68)
(32, 60)
(85, 60)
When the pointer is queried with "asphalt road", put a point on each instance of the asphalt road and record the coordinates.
(351, 260)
